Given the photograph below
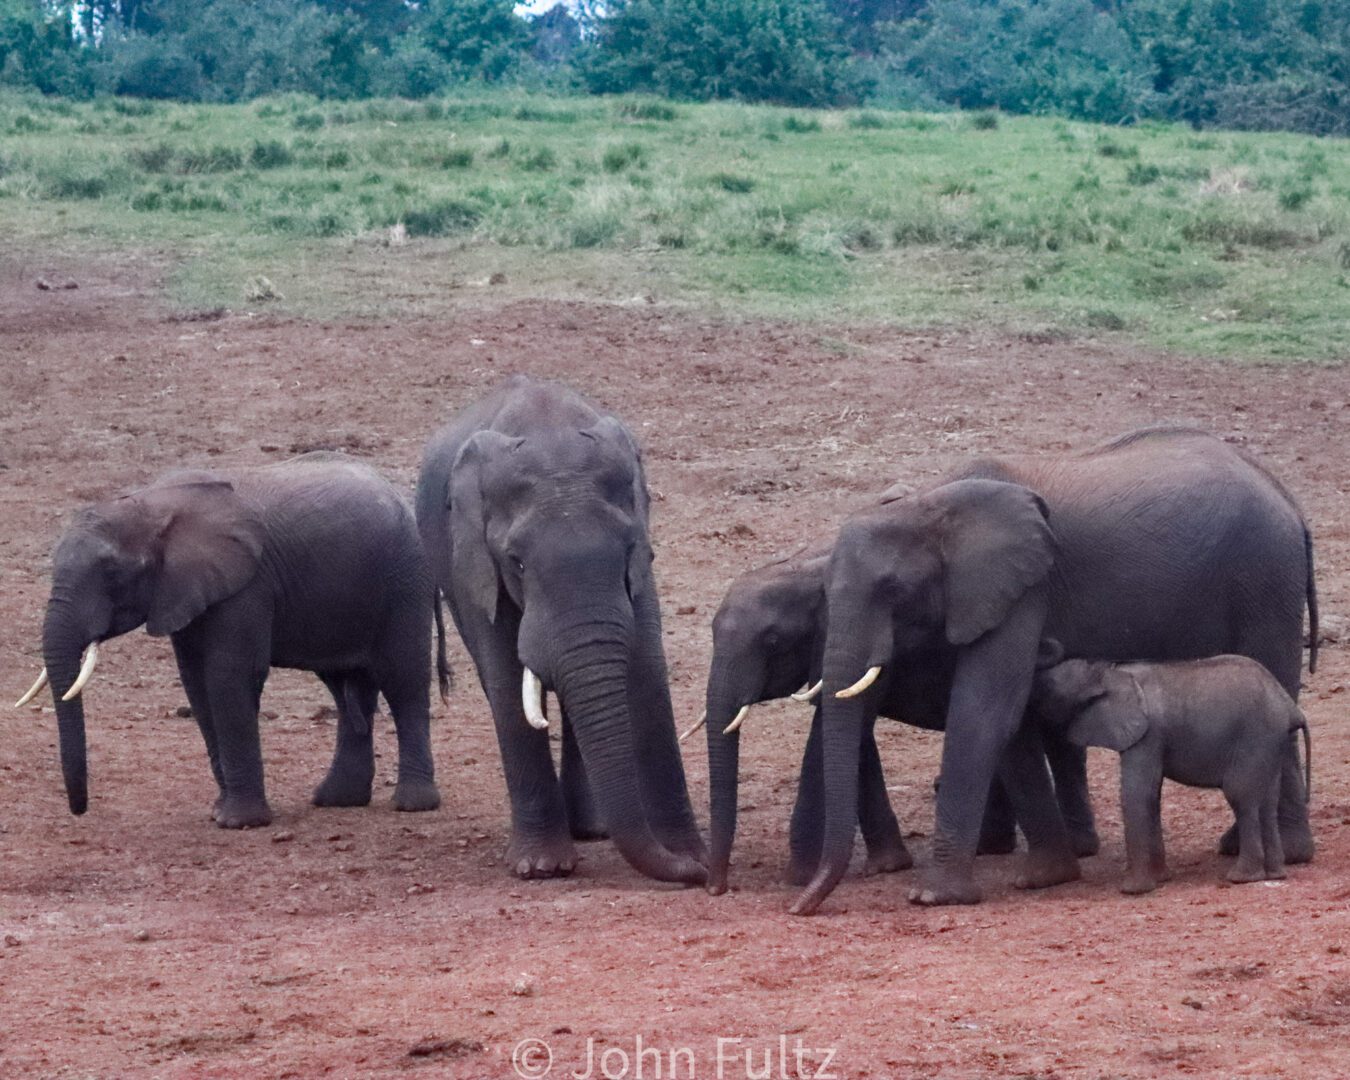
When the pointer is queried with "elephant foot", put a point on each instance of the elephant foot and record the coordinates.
(587, 829)
(887, 860)
(242, 812)
(414, 796)
(1000, 843)
(537, 859)
(1298, 843)
(947, 887)
(1137, 885)
(1243, 873)
(1041, 870)
(1295, 837)
(717, 877)
(1084, 842)
(341, 790)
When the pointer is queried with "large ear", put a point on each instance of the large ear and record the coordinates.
(639, 575)
(1115, 718)
(472, 569)
(996, 544)
(210, 543)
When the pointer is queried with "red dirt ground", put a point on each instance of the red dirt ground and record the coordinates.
(141, 941)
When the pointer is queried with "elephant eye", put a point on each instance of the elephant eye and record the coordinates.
(515, 562)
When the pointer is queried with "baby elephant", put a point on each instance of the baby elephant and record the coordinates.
(1222, 723)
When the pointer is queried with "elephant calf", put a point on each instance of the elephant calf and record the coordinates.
(1218, 723)
(313, 563)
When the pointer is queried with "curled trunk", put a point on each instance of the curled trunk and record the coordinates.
(843, 722)
(591, 679)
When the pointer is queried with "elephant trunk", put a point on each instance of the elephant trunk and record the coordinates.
(843, 722)
(591, 678)
(724, 752)
(63, 643)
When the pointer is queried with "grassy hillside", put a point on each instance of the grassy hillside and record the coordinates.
(1230, 244)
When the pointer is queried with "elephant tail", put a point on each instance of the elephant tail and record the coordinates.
(1302, 726)
(1312, 602)
(444, 677)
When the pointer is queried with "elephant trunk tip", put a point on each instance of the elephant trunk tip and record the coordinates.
(79, 801)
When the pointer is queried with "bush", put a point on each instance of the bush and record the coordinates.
(618, 158)
(441, 218)
(270, 155)
(785, 51)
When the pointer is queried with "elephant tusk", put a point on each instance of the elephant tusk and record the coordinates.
(532, 694)
(86, 673)
(701, 721)
(862, 684)
(808, 695)
(735, 724)
(33, 690)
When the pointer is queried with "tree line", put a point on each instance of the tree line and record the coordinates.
(1255, 64)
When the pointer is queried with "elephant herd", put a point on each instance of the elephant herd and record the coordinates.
(951, 608)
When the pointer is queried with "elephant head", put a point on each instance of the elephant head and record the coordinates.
(159, 557)
(550, 527)
(1082, 699)
(766, 638)
(942, 570)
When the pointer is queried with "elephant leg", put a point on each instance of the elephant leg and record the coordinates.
(660, 766)
(352, 772)
(806, 833)
(1141, 778)
(583, 819)
(403, 674)
(1049, 858)
(1068, 767)
(1271, 841)
(886, 850)
(194, 685)
(998, 830)
(1280, 650)
(990, 686)
(235, 691)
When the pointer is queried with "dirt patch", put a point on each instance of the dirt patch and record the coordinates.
(140, 940)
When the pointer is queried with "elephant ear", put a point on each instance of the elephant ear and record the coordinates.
(996, 544)
(609, 430)
(473, 573)
(210, 546)
(1115, 721)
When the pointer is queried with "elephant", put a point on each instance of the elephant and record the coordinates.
(1223, 722)
(314, 563)
(767, 639)
(1165, 543)
(534, 509)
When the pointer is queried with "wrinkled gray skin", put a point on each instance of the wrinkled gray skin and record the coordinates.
(1164, 544)
(534, 513)
(1222, 723)
(768, 635)
(314, 563)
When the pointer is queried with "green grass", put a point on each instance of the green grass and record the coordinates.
(1224, 244)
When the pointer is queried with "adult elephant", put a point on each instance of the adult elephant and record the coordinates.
(768, 637)
(1163, 544)
(534, 513)
(314, 563)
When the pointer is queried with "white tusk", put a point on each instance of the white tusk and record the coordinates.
(532, 693)
(862, 684)
(808, 695)
(701, 721)
(33, 691)
(86, 672)
(735, 724)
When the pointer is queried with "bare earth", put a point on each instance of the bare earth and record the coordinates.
(142, 941)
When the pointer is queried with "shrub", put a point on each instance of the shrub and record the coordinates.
(984, 121)
(646, 110)
(737, 185)
(1141, 175)
(309, 121)
(270, 155)
(618, 158)
(441, 218)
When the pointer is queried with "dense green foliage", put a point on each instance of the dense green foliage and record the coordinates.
(1254, 64)
(1220, 243)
